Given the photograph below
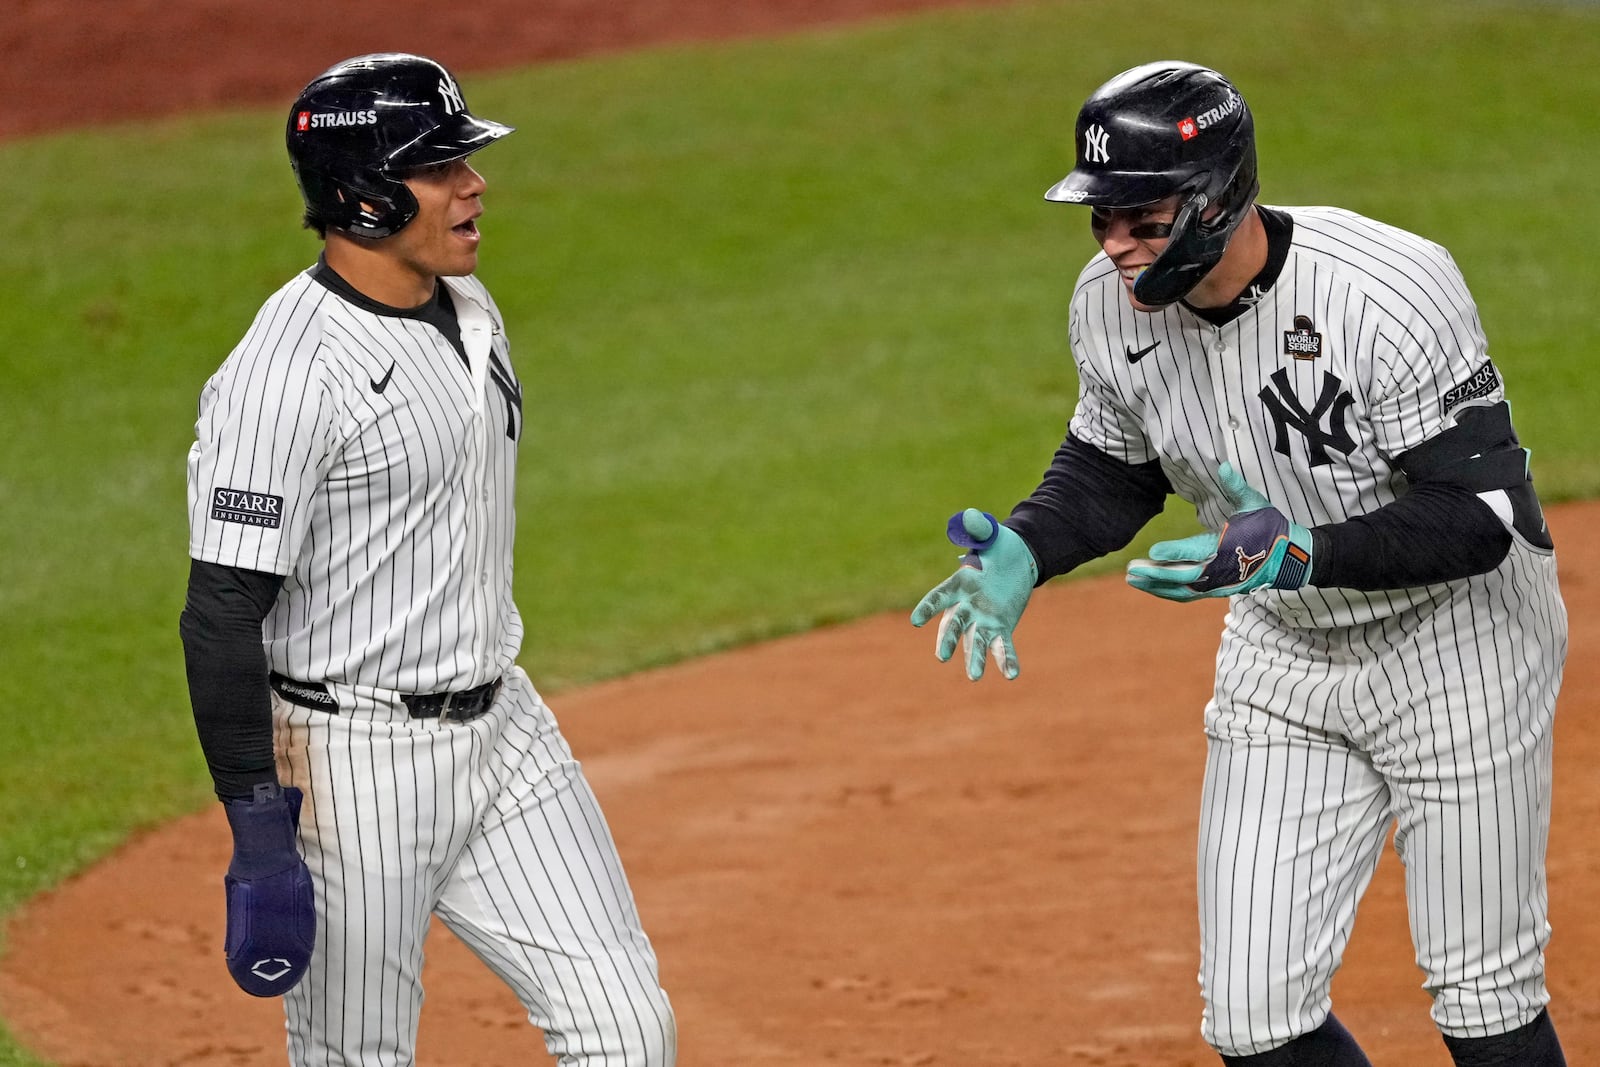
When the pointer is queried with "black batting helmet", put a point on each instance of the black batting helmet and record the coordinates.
(1161, 129)
(360, 125)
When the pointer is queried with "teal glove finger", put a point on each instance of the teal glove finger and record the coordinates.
(1242, 493)
(1197, 549)
(1172, 565)
(939, 598)
(955, 622)
(1165, 588)
(980, 526)
(982, 644)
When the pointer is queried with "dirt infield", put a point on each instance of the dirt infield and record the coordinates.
(845, 853)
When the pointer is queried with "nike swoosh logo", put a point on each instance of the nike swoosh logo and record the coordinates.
(1134, 357)
(380, 386)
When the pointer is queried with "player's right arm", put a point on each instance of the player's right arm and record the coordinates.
(1088, 504)
(265, 435)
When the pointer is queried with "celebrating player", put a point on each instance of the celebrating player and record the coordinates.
(1318, 386)
(350, 634)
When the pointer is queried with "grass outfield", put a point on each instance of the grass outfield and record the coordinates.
(779, 307)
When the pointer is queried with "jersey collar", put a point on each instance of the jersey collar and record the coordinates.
(1279, 226)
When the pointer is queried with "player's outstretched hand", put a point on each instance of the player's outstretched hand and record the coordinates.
(1258, 548)
(272, 924)
(985, 597)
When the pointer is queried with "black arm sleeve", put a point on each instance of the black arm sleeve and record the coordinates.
(1437, 532)
(227, 668)
(1440, 530)
(1089, 504)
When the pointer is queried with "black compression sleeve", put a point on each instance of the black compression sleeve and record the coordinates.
(227, 668)
(1088, 504)
(1437, 532)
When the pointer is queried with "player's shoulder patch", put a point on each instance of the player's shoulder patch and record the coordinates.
(1483, 381)
(247, 507)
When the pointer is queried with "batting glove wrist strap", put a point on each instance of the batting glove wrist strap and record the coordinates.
(271, 908)
(1259, 548)
(984, 599)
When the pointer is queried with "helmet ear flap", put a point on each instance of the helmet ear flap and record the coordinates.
(1180, 266)
(353, 202)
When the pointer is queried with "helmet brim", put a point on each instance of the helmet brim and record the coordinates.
(461, 137)
(1112, 188)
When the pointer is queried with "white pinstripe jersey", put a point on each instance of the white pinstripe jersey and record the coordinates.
(356, 454)
(1363, 348)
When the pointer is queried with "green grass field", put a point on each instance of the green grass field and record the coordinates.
(779, 307)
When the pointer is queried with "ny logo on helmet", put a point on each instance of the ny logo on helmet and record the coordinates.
(450, 96)
(1094, 145)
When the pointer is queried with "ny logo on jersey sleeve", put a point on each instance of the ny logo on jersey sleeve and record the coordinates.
(1333, 405)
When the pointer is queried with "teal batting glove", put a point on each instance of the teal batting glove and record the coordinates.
(985, 597)
(1258, 548)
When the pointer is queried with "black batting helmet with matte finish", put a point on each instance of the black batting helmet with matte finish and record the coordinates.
(359, 126)
(1163, 129)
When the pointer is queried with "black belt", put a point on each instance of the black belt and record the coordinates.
(446, 707)
(453, 707)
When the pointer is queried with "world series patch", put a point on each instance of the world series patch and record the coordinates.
(250, 509)
(1302, 342)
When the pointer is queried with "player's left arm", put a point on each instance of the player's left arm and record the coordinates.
(1470, 496)
(1469, 491)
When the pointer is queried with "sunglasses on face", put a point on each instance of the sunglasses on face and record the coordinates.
(1141, 227)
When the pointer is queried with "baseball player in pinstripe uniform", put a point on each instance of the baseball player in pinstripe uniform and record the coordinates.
(350, 633)
(1318, 386)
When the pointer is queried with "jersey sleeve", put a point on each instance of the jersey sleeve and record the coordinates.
(1432, 357)
(266, 434)
(1102, 418)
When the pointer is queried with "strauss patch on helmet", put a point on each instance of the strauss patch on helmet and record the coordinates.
(325, 119)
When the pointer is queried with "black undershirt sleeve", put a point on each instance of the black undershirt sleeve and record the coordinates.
(1437, 532)
(1088, 505)
(227, 670)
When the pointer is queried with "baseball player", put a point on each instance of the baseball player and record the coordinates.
(1318, 386)
(349, 630)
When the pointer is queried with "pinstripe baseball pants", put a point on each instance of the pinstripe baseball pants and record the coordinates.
(490, 825)
(1438, 720)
